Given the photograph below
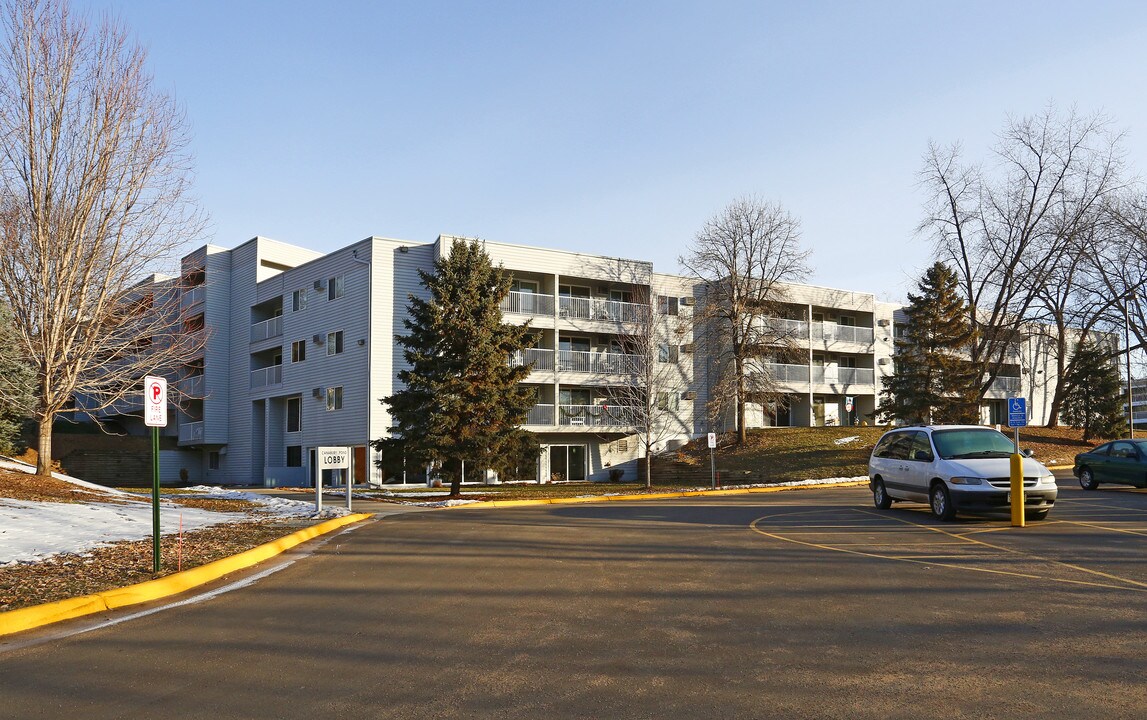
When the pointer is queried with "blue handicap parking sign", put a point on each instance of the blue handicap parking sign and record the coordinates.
(1017, 412)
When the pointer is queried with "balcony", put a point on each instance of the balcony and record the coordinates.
(583, 416)
(843, 376)
(267, 377)
(580, 361)
(524, 303)
(784, 328)
(191, 433)
(583, 308)
(267, 329)
(192, 297)
(831, 332)
(1006, 384)
(787, 374)
(540, 359)
(192, 387)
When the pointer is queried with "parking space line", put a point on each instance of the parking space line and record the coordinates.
(961, 539)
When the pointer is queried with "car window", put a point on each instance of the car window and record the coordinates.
(920, 449)
(972, 443)
(891, 444)
(1123, 450)
(1102, 449)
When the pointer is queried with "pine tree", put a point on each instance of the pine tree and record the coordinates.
(461, 400)
(1093, 399)
(16, 386)
(933, 381)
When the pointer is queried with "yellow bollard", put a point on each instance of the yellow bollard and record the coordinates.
(1017, 477)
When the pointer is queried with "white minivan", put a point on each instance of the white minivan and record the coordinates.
(955, 468)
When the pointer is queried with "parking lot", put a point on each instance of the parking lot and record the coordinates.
(806, 603)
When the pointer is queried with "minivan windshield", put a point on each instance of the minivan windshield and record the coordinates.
(972, 443)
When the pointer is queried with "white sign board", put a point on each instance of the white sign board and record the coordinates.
(712, 440)
(332, 458)
(155, 401)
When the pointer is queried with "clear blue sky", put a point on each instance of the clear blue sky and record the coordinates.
(617, 128)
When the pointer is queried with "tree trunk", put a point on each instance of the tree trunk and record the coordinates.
(44, 448)
(742, 436)
(648, 469)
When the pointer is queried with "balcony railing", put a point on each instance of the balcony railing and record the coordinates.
(192, 386)
(843, 376)
(265, 377)
(787, 373)
(598, 363)
(191, 432)
(541, 359)
(600, 309)
(831, 332)
(192, 296)
(783, 327)
(524, 303)
(1006, 384)
(267, 329)
(583, 415)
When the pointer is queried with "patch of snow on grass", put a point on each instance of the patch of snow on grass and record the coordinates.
(846, 440)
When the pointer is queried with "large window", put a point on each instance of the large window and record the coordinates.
(334, 398)
(667, 353)
(294, 456)
(335, 343)
(567, 462)
(299, 300)
(294, 414)
(298, 351)
(667, 305)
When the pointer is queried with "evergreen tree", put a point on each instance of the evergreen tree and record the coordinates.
(16, 386)
(1093, 399)
(933, 381)
(462, 400)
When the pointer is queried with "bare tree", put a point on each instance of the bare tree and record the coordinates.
(654, 375)
(1012, 234)
(95, 180)
(744, 256)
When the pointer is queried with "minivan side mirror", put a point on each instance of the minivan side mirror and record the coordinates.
(1028, 452)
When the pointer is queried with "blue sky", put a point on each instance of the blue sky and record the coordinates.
(617, 128)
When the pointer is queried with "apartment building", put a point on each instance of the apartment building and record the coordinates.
(299, 350)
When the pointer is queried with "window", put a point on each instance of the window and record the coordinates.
(667, 305)
(298, 351)
(335, 343)
(294, 456)
(667, 353)
(299, 300)
(846, 320)
(667, 401)
(334, 398)
(294, 414)
(213, 460)
(335, 287)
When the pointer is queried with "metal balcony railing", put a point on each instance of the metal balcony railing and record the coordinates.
(783, 327)
(1006, 384)
(192, 296)
(601, 309)
(191, 432)
(831, 332)
(540, 415)
(597, 363)
(266, 377)
(192, 387)
(524, 303)
(787, 373)
(541, 359)
(843, 376)
(267, 329)
(597, 415)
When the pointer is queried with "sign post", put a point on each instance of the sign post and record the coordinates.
(330, 458)
(712, 462)
(155, 417)
(1017, 418)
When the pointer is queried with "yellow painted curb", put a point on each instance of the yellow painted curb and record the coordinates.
(648, 496)
(27, 618)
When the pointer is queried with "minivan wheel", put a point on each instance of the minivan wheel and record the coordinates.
(880, 496)
(1087, 479)
(941, 502)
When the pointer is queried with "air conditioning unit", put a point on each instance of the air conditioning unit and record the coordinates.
(318, 393)
(687, 348)
(882, 322)
(320, 285)
(688, 301)
(318, 339)
(882, 361)
(688, 395)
